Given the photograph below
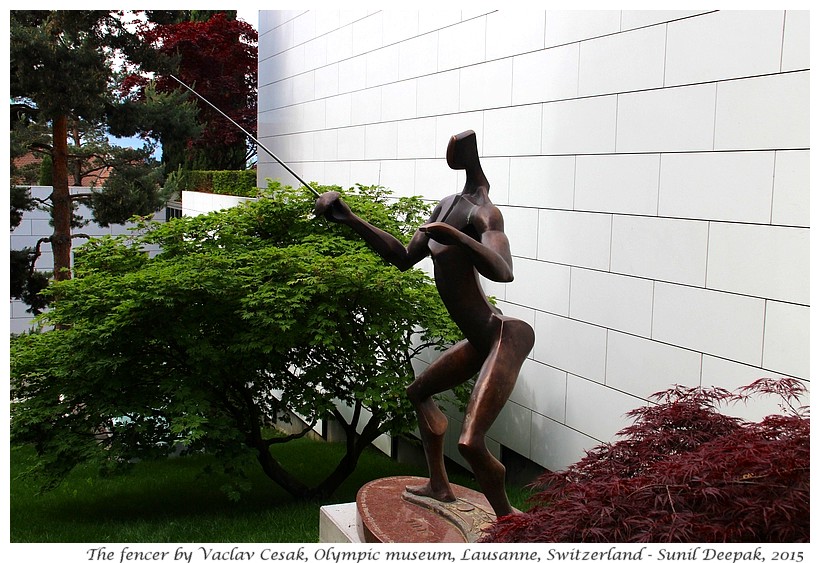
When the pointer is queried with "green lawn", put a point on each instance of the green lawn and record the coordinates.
(174, 500)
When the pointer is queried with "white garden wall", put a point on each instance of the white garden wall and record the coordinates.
(652, 168)
(197, 203)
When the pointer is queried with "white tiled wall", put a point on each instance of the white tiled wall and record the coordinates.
(652, 168)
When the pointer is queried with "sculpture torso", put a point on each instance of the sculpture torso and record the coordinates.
(456, 278)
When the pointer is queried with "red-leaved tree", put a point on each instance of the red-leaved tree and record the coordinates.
(218, 58)
(683, 472)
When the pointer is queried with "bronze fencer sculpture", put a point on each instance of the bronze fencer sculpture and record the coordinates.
(464, 237)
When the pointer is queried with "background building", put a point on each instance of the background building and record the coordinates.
(652, 168)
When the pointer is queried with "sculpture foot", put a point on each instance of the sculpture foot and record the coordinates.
(427, 490)
(471, 518)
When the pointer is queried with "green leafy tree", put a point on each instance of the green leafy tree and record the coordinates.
(245, 316)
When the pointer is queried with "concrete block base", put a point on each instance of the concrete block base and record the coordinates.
(338, 524)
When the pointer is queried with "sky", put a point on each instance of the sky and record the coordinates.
(250, 15)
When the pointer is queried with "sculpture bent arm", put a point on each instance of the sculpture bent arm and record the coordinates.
(491, 255)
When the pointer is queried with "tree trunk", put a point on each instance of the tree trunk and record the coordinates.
(280, 475)
(76, 162)
(356, 444)
(61, 200)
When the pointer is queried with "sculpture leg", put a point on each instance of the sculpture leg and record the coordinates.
(494, 386)
(453, 367)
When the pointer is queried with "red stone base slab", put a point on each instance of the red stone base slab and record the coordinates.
(388, 514)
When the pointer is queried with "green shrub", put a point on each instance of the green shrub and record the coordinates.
(246, 314)
(234, 182)
(225, 182)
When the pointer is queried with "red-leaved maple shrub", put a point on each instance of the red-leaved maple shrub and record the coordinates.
(683, 472)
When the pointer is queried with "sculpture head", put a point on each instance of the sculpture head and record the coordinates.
(462, 151)
(462, 154)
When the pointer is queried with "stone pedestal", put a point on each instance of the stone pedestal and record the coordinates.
(338, 524)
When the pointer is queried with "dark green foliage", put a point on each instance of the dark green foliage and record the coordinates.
(61, 59)
(169, 118)
(130, 190)
(684, 472)
(46, 172)
(26, 283)
(20, 200)
(245, 315)
(235, 182)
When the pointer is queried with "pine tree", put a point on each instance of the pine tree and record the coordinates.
(64, 69)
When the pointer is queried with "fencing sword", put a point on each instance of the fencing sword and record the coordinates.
(248, 135)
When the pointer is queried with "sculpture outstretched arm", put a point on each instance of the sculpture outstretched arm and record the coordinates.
(331, 206)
